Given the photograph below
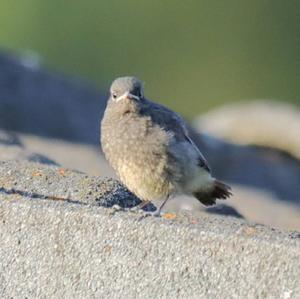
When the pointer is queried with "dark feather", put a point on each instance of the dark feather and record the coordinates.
(203, 163)
(218, 191)
(165, 118)
(172, 122)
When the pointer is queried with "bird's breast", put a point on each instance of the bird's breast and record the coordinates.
(137, 150)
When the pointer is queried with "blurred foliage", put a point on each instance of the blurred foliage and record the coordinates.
(192, 54)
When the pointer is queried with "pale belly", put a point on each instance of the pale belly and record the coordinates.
(138, 153)
(146, 177)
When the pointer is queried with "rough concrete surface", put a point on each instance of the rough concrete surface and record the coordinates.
(38, 181)
(57, 243)
(85, 158)
(254, 204)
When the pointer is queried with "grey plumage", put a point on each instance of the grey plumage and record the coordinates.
(149, 147)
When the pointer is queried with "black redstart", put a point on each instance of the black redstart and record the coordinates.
(149, 147)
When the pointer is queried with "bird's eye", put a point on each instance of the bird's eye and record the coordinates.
(114, 95)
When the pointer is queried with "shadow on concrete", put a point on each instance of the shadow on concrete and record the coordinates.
(34, 195)
(224, 210)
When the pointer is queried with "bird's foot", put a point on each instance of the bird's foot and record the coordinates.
(135, 209)
(140, 208)
(149, 214)
(115, 209)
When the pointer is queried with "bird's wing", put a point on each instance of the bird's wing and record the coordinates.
(165, 118)
(172, 122)
(201, 160)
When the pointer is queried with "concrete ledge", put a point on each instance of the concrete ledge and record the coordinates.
(74, 249)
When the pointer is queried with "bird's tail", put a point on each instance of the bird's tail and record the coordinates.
(219, 190)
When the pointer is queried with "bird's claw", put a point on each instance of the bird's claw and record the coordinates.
(149, 214)
(115, 209)
(135, 209)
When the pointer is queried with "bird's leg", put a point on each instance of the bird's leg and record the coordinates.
(114, 209)
(140, 206)
(135, 209)
(157, 212)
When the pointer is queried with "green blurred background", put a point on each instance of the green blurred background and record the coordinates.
(193, 55)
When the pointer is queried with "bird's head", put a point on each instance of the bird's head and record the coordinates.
(129, 88)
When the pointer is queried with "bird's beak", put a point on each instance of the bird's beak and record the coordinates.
(127, 95)
(131, 96)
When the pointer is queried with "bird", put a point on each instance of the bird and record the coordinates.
(149, 147)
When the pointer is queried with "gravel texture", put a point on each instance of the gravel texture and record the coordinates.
(253, 204)
(37, 181)
(56, 242)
